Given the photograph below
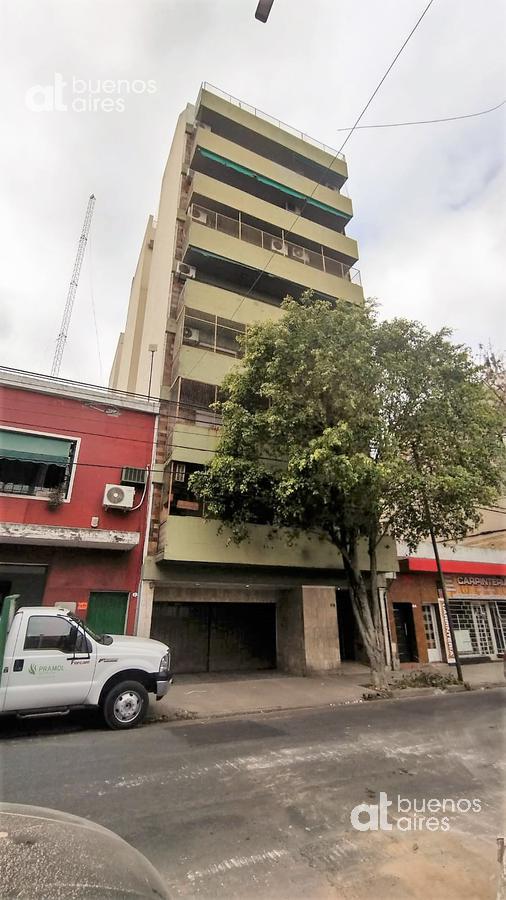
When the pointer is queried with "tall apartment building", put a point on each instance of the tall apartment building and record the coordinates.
(234, 183)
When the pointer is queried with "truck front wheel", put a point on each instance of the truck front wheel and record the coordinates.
(125, 705)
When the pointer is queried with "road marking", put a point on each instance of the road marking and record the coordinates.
(236, 862)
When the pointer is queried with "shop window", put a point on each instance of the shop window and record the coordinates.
(35, 465)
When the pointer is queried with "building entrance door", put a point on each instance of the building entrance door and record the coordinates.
(107, 612)
(483, 629)
(431, 623)
(405, 631)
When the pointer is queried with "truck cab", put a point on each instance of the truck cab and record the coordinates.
(50, 662)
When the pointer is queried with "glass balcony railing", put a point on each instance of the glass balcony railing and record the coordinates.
(235, 227)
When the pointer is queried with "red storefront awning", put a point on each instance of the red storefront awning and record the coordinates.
(452, 566)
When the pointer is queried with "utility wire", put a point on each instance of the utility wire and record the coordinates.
(329, 167)
(482, 112)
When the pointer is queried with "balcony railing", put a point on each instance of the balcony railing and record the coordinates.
(273, 242)
(267, 118)
(208, 331)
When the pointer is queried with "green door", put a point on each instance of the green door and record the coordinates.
(107, 612)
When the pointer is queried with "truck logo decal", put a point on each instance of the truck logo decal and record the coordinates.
(44, 670)
(108, 659)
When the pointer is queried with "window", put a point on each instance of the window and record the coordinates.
(38, 465)
(210, 332)
(182, 501)
(54, 633)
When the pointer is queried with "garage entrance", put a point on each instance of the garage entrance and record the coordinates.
(26, 580)
(217, 637)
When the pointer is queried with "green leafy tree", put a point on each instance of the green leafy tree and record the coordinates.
(345, 428)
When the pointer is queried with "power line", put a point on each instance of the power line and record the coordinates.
(329, 167)
(482, 112)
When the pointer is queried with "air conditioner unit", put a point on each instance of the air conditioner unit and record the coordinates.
(185, 270)
(279, 246)
(199, 215)
(133, 476)
(292, 207)
(117, 496)
(191, 335)
(300, 254)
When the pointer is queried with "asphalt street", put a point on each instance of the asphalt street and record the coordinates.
(260, 807)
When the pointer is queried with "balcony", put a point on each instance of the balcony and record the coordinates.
(211, 298)
(251, 128)
(225, 161)
(220, 192)
(189, 539)
(276, 244)
(208, 331)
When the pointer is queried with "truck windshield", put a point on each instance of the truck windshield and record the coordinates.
(99, 638)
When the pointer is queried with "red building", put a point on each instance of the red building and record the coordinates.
(475, 579)
(75, 492)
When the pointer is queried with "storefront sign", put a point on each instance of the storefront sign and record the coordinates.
(450, 655)
(477, 586)
(82, 606)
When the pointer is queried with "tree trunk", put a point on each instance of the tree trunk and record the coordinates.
(367, 611)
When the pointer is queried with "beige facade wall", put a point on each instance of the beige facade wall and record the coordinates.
(273, 130)
(114, 376)
(234, 152)
(219, 192)
(128, 362)
(150, 295)
(207, 239)
(204, 365)
(491, 530)
(228, 304)
(186, 538)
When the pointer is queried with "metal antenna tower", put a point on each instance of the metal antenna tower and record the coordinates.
(67, 312)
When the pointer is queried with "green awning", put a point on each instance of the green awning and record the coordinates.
(275, 184)
(34, 448)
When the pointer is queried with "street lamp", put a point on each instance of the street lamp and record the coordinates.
(152, 349)
(263, 9)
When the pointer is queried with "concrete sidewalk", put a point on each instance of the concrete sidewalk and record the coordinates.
(225, 694)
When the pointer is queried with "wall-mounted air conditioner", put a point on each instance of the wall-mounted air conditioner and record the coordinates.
(191, 335)
(185, 271)
(278, 245)
(300, 254)
(117, 496)
(199, 215)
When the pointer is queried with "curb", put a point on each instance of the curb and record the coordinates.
(180, 715)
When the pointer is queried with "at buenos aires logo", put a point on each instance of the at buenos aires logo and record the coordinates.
(411, 814)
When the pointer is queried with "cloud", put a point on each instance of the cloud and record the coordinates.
(427, 201)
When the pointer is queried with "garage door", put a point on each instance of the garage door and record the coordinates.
(217, 637)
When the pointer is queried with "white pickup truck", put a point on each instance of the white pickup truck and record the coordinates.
(51, 662)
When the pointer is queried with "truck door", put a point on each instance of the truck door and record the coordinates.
(53, 664)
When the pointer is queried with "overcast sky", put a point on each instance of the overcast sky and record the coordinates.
(428, 201)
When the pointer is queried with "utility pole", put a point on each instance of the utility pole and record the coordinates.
(67, 312)
(152, 349)
(428, 518)
(443, 586)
